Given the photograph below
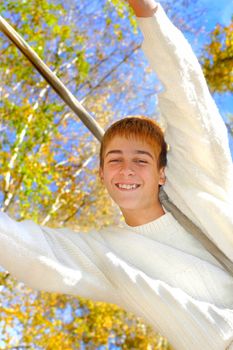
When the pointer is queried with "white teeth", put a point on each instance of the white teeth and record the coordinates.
(127, 187)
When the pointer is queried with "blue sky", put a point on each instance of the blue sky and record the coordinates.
(219, 10)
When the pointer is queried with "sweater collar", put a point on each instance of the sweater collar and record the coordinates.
(157, 225)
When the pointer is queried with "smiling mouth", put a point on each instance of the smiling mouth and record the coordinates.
(127, 187)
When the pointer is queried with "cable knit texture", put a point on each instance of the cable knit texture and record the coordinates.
(157, 270)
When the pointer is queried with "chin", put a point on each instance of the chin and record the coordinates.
(127, 204)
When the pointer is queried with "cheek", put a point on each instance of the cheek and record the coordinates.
(151, 177)
(108, 174)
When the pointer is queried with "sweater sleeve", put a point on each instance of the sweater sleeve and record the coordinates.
(55, 260)
(199, 172)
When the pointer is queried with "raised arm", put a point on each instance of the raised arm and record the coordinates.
(143, 8)
(199, 172)
(55, 260)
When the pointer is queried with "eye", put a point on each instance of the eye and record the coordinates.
(141, 161)
(114, 160)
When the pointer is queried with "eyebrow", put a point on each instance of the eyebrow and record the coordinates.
(118, 151)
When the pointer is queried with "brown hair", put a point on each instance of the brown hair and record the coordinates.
(141, 128)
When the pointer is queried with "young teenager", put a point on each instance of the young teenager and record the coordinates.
(150, 266)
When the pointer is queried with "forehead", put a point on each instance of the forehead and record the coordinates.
(128, 145)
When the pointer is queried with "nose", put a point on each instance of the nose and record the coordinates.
(126, 169)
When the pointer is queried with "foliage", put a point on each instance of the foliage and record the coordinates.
(218, 59)
(49, 166)
(52, 321)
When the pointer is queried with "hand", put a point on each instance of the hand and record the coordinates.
(143, 8)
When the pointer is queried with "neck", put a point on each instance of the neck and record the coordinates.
(137, 217)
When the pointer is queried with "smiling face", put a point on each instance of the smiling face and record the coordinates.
(131, 175)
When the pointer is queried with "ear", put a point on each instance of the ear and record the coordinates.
(101, 174)
(162, 176)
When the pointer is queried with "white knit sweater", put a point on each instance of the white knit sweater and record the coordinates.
(157, 270)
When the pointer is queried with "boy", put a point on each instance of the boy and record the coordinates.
(150, 266)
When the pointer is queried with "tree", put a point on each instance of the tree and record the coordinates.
(217, 59)
(48, 159)
(217, 63)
